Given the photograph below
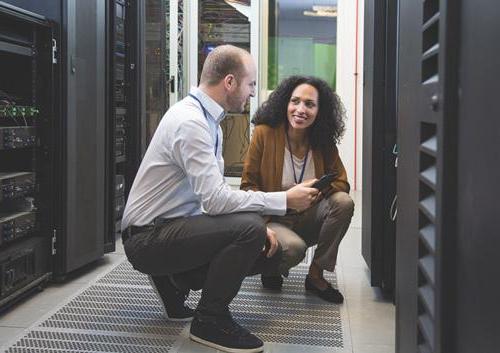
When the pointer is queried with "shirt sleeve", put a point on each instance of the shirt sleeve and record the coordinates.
(193, 150)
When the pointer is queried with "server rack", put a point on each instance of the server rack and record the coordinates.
(125, 130)
(117, 110)
(27, 122)
(97, 140)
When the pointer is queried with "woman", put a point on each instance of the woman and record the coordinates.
(295, 139)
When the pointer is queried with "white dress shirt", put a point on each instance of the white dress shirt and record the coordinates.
(180, 174)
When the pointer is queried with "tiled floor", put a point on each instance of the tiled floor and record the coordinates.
(370, 318)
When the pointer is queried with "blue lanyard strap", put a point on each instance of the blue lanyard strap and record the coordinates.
(206, 117)
(293, 165)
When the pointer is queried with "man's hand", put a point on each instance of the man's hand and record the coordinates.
(301, 196)
(272, 242)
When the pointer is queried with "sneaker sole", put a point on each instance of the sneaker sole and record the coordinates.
(182, 319)
(186, 319)
(225, 349)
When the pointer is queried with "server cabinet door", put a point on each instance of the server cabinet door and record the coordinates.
(83, 235)
(406, 238)
(379, 136)
(427, 177)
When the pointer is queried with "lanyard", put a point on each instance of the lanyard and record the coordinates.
(293, 164)
(206, 117)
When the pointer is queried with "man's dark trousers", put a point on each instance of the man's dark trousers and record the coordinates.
(227, 248)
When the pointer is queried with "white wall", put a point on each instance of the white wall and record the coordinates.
(351, 145)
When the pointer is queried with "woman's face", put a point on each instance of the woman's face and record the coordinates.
(303, 106)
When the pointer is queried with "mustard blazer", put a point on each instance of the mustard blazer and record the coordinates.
(263, 168)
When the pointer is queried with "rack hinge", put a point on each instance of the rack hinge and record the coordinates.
(54, 237)
(54, 51)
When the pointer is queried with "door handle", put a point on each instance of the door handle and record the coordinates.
(72, 64)
(172, 84)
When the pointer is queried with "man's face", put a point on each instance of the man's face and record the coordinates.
(244, 89)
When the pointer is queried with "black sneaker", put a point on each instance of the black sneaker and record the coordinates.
(224, 334)
(272, 282)
(171, 298)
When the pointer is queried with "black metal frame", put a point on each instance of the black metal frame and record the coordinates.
(379, 136)
(109, 228)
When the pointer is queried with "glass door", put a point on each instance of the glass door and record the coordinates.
(302, 39)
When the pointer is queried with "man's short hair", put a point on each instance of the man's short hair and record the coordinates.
(222, 61)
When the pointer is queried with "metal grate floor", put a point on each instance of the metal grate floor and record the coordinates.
(120, 313)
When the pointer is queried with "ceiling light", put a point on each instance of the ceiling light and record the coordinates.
(324, 8)
(242, 6)
(322, 11)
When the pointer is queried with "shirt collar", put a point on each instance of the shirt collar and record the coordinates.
(213, 108)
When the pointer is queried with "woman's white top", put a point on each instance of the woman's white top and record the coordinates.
(288, 181)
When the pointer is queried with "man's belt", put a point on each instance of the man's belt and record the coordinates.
(132, 230)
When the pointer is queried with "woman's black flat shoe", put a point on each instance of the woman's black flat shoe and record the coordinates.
(329, 294)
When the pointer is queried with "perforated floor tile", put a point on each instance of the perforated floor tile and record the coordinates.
(120, 313)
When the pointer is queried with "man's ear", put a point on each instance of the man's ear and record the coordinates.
(230, 82)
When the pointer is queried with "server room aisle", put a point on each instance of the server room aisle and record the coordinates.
(91, 322)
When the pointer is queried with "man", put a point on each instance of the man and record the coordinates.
(185, 227)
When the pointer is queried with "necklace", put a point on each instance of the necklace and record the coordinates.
(293, 164)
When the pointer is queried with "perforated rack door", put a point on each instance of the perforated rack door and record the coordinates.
(428, 101)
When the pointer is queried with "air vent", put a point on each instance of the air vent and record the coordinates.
(427, 211)
(430, 41)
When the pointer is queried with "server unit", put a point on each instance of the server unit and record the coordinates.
(27, 121)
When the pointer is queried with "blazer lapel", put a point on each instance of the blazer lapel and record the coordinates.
(319, 164)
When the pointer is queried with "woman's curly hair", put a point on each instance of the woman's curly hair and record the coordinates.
(328, 127)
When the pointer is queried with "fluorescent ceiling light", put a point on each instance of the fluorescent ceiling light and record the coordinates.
(241, 2)
(322, 11)
(241, 6)
(325, 8)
